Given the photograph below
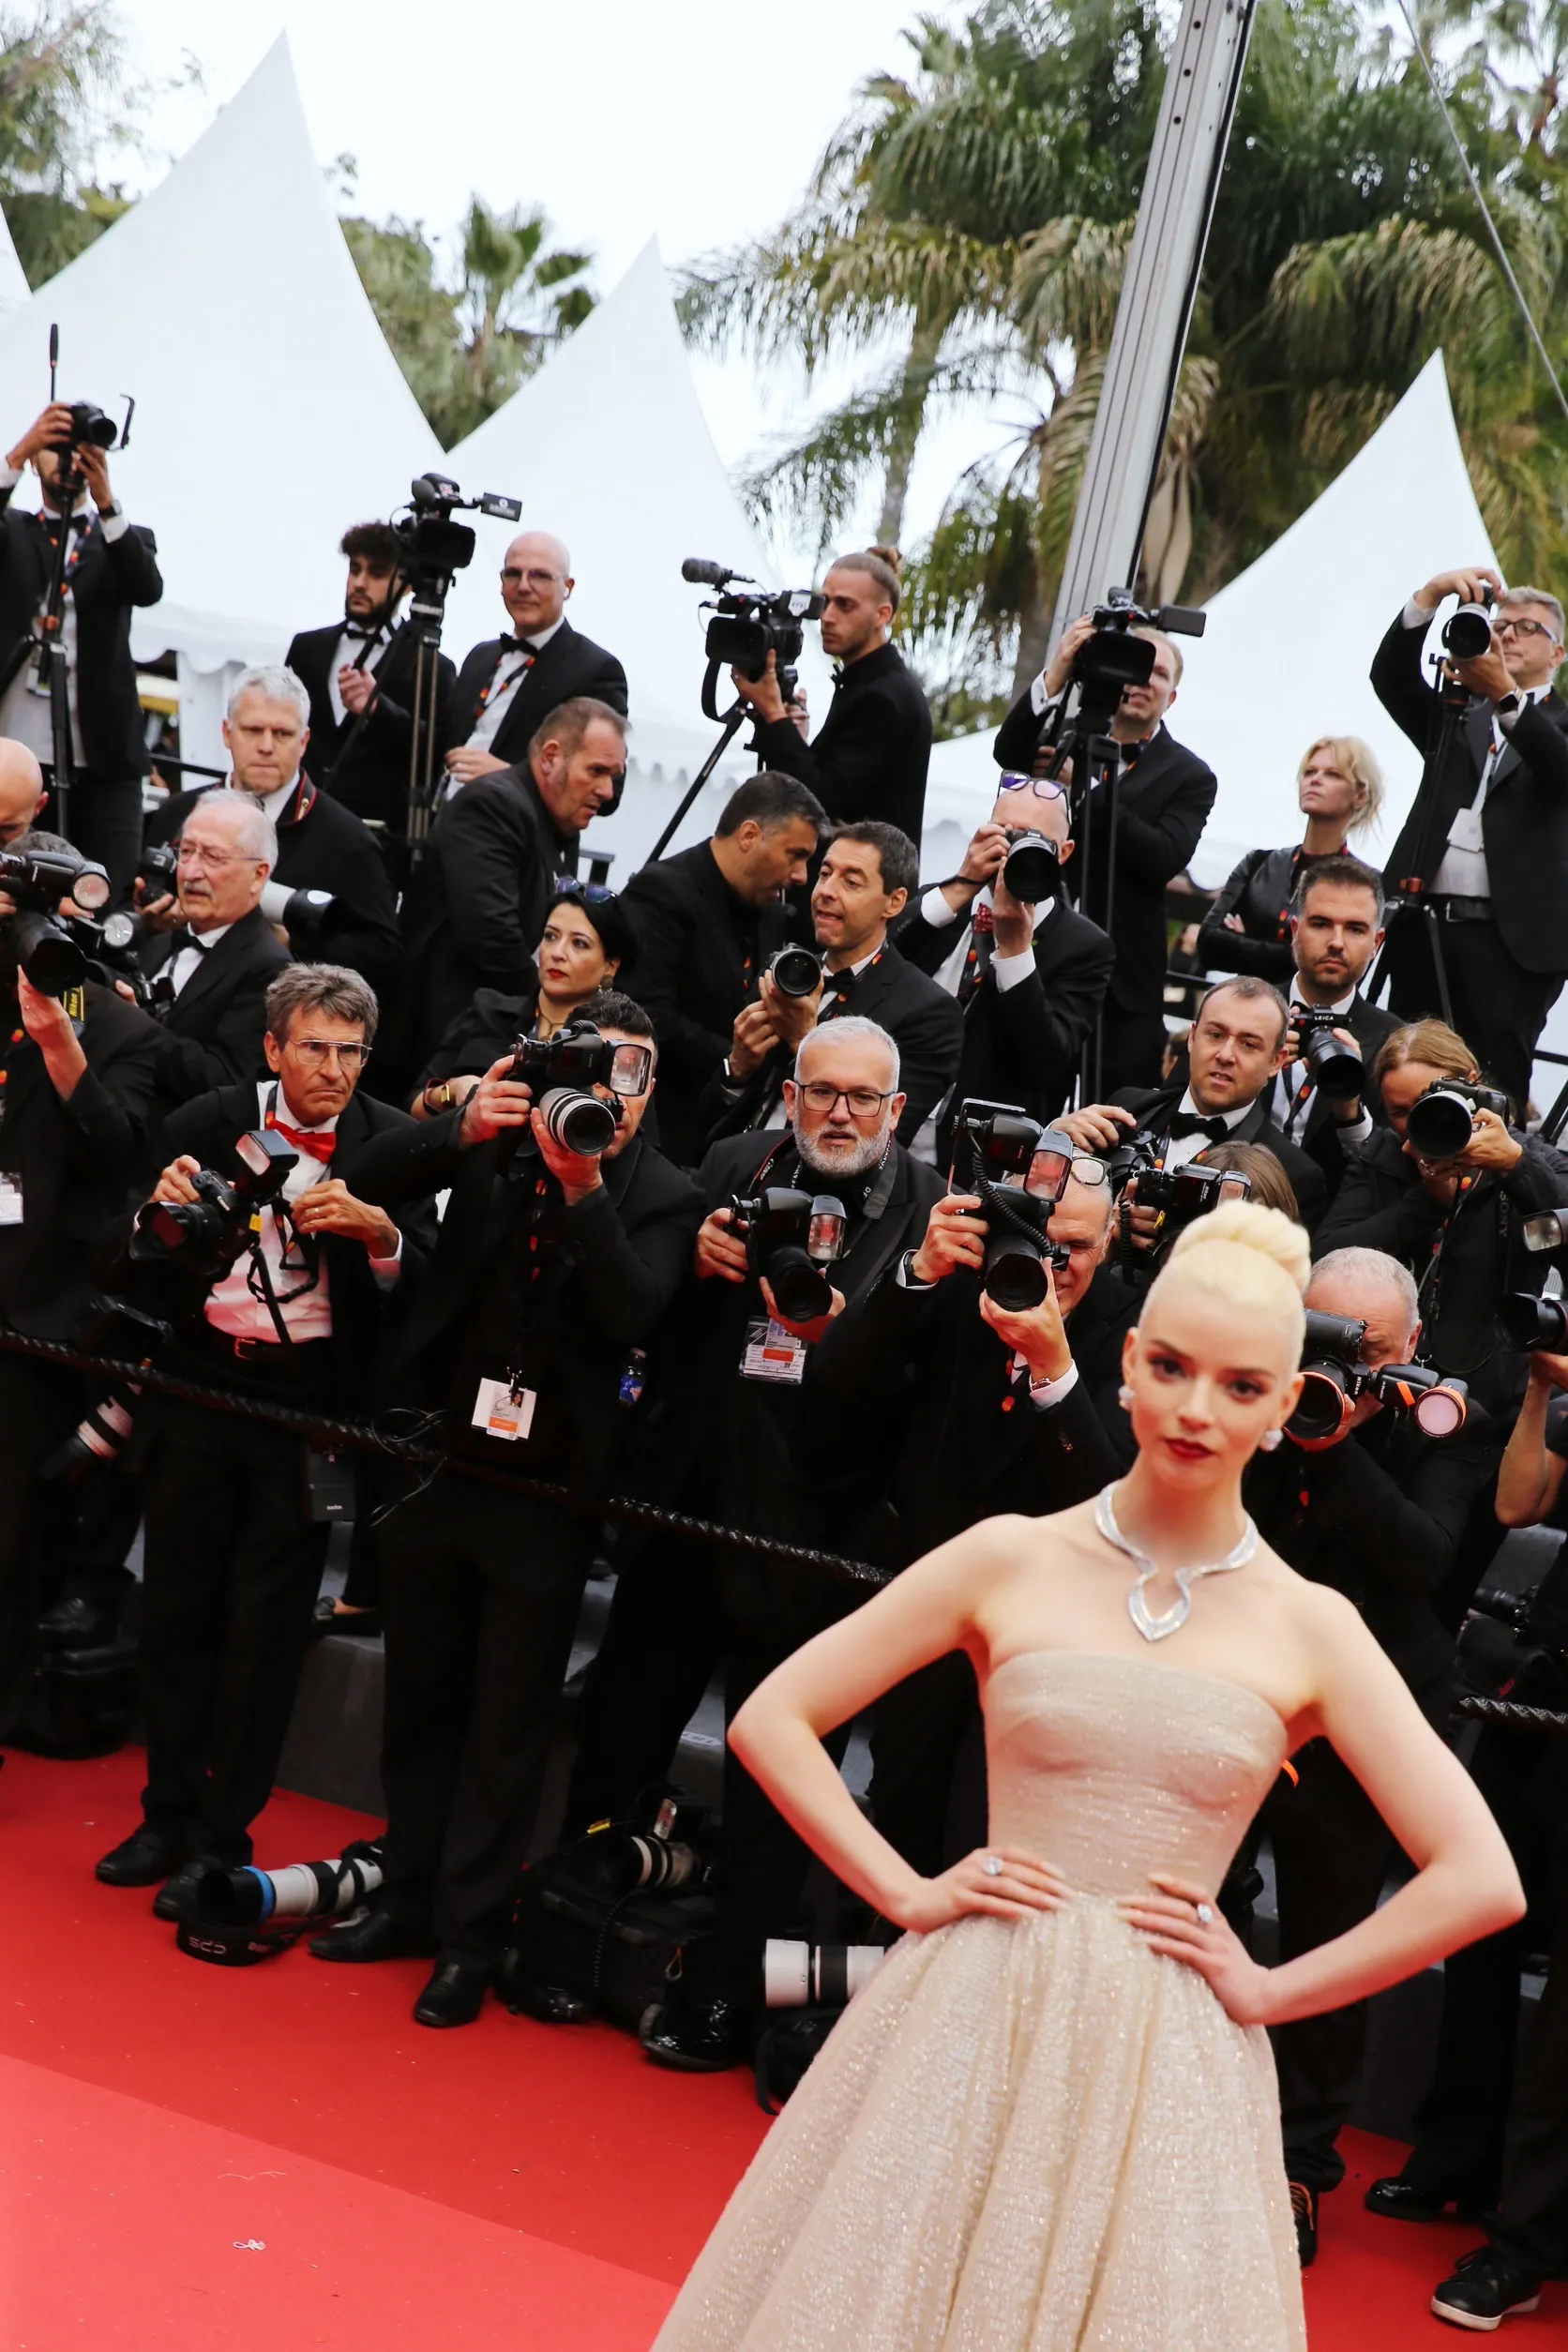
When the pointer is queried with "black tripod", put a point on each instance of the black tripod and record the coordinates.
(731, 720)
(1083, 736)
(1409, 900)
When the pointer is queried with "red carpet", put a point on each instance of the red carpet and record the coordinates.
(198, 2157)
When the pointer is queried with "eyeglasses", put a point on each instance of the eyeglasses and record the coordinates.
(861, 1102)
(512, 578)
(1509, 625)
(1043, 786)
(315, 1052)
(212, 860)
(1090, 1172)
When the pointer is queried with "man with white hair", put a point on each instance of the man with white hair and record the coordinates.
(1375, 1509)
(738, 1443)
(508, 685)
(323, 848)
(213, 953)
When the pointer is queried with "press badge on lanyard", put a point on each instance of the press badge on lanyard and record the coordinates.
(773, 1353)
(504, 1409)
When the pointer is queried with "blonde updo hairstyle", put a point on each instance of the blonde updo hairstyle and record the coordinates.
(1246, 1255)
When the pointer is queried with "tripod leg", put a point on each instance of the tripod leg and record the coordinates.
(1445, 1002)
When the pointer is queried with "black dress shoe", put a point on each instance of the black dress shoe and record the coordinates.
(176, 1898)
(1486, 2289)
(700, 2036)
(1400, 2200)
(455, 1994)
(1303, 2212)
(147, 1855)
(78, 1625)
(381, 1934)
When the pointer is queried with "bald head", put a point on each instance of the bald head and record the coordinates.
(535, 582)
(21, 792)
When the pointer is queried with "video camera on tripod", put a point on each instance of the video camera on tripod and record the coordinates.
(749, 624)
(431, 550)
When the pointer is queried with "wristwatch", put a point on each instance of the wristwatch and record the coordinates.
(439, 1097)
(1508, 705)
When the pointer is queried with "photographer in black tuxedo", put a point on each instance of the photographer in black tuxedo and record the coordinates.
(359, 675)
(1335, 925)
(508, 686)
(1163, 798)
(1485, 844)
(709, 921)
(862, 887)
(111, 569)
(210, 952)
(870, 755)
(1028, 977)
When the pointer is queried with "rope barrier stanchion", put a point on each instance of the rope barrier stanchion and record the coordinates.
(334, 1436)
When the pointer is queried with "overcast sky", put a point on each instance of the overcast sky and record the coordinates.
(692, 120)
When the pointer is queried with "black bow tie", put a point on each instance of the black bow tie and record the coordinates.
(180, 938)
(1185, 1122)
(518, 645)
(356, 629)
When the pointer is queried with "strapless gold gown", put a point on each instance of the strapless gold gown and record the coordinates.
(1038, 2136)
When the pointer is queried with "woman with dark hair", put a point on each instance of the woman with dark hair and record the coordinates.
(1454, 1221)
(1271, 1186)
(587, 944)
(1339, 791)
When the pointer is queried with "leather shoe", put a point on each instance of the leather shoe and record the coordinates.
(455, 1994)
(147, 1855)
(700, 2036)
(381, 1934)
(176, 1898)
(78, 1625)
(1485, 2290)
(1400, 2200)
(1303, 2212)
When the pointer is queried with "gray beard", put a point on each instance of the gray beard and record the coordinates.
(864, 1156)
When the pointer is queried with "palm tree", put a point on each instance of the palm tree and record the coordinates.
(519, 298)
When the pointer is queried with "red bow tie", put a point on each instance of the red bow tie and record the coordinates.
(320, 1147)
(982, 920)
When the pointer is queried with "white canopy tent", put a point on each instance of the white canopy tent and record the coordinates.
(607, 448)
(14, 288)
(270, 413)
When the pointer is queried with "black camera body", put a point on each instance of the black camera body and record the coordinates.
(563, 1072)
(210, 1231)
(789, 1238)
(1020, 1169)
(1178, 1194)
(1113, 658)
(1534, 1323)
(1033, 871)
(795, 971)
(91, 427)
(1334, 1379)
(1335, 1070)
(1442, 1121)
(1467, 633)
(38, 939)
(751, 623)
(430, 545)
(160, 874)
(111, 945)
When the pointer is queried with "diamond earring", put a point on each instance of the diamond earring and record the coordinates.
(1270, 1439)
(1124, 1397)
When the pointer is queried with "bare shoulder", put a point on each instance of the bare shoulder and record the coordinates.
(1327, 1629)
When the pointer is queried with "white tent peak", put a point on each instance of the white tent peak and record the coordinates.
(167, 305)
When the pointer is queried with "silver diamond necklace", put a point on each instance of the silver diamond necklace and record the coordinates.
(1154, 1628)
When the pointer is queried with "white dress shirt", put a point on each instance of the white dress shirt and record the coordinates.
(1179, 1150)
(344, 655)
(504, 678)
(1288, 1084)
(1463, 872)
(24, 711)
(182, 965)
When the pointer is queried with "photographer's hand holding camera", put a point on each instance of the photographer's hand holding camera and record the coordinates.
(1323, 1097)
(113, 568)
(1485, 848)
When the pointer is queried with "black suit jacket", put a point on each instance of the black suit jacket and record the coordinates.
(700, 952)
(1153, 1109)
(1524, 825)
(362, 1313)
(1258, 889)
(475, 907)
(370, 774)
(77, 1160)
(973, 1443)
(1022, 1045)
(323, 846)
(112, 578)
(1163, 803)
(570, 665)
(869, 757)
(923, 1021)
(1316, 1132)
(211, 1035)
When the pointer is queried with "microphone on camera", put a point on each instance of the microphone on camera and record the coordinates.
(698, 567)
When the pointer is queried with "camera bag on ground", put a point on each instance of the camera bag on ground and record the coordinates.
(600, 1928)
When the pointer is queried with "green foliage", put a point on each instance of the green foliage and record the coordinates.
(65, 101)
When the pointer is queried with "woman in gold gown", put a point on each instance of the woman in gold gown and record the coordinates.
(1049, 2123)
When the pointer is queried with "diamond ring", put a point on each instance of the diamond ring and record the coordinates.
(1205, 1915)
(992, 1865)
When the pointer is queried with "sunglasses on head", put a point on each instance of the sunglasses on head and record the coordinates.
(1043, 786)
(591, 894)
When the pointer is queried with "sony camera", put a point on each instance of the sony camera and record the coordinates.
(1467, 633)
(564, 1070)
(1335, 1070)
(1526, 1321)
(751, 623)
(211, 1230)
(1335, 1379)
(789, 1238)
(795, 971)
(430, 545)
(35, 938)
(1442, 1121)
(1020, 1169)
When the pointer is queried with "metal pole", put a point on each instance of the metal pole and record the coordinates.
(1202, 86)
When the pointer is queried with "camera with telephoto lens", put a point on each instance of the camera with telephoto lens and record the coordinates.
(1526, 1321)
(212, 1229)
(789, 1238)
(160, 874)
(1440, 1121)
(36, 939)
(817, 1976)
(1467, 633)
(656, 1855)
(300, 913)
(1020, 1170)
(1334, 1379)
(246, 1915)
(1032, 871)
(430, 545)
(113, 1328)
(1546, 1230)
(1178, 1194)
(564, 1070)
(795, 971)
(1334, 1068)
(1113, 658)
(751, 623)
